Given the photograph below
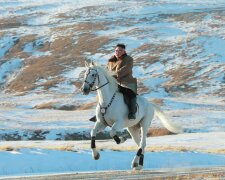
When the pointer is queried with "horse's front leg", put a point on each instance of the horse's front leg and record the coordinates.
(117, 126)
(97, 128)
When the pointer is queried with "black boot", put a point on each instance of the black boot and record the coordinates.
(93, 119)
(132, 109)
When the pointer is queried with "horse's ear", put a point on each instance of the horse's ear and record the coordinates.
(92, 63)
(87, 63)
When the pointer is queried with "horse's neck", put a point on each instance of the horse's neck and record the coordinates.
(105, 93)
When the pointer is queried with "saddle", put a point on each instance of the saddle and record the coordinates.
(126, 101)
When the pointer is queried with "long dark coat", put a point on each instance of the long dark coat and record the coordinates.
(123, 71)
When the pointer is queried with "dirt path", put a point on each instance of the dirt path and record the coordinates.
(161, 174)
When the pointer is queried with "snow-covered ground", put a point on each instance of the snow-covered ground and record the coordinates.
(197, 44)
(39, 161)
(174, 151)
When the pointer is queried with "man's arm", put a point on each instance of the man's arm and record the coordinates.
(125, 69)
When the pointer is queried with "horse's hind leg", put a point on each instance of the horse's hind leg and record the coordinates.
(135, 133)
(97, 128)
(138, 161)
(140, 152)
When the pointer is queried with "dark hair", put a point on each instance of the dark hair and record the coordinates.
(121, 45)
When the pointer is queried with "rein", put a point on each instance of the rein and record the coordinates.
(92, 84)
(100, 87)
(102, 109)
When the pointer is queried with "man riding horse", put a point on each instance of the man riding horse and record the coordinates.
(122, 65)
(111, 109)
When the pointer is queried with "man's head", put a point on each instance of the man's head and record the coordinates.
(120, 50)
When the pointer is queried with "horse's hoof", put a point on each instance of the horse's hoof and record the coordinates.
(97, 157)
(138, 168)
(134, 165)
(122, 139)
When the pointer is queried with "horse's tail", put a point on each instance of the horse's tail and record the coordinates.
(167, 124)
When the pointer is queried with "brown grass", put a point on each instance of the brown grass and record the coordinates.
(142, 89)
(87, 106)
(48, 105)
(73, 40)
(51, 105)
(159, 102)
(187, 17)
(6, 148)
(11, 22)
(158, 132)
(180, 77)
(64, 53)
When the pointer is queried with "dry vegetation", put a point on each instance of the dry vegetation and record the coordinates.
(67, 50)
(64, 53)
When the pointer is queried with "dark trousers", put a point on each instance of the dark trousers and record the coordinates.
(130, 99)
(128, 93)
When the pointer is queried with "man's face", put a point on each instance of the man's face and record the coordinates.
(119, 52)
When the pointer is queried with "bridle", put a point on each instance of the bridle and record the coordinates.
(102, 108)
(96, 75)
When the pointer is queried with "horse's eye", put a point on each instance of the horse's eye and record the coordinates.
(93, 75)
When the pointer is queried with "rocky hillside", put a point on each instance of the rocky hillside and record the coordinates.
(178, 47)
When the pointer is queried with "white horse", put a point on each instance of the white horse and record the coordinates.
(112, 111)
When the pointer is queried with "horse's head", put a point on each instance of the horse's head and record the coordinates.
(90, 77)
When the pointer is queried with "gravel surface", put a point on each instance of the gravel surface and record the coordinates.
(178, 174)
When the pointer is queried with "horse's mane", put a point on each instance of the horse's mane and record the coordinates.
(109, 75)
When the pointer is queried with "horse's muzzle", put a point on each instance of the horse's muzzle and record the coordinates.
(85, 90)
